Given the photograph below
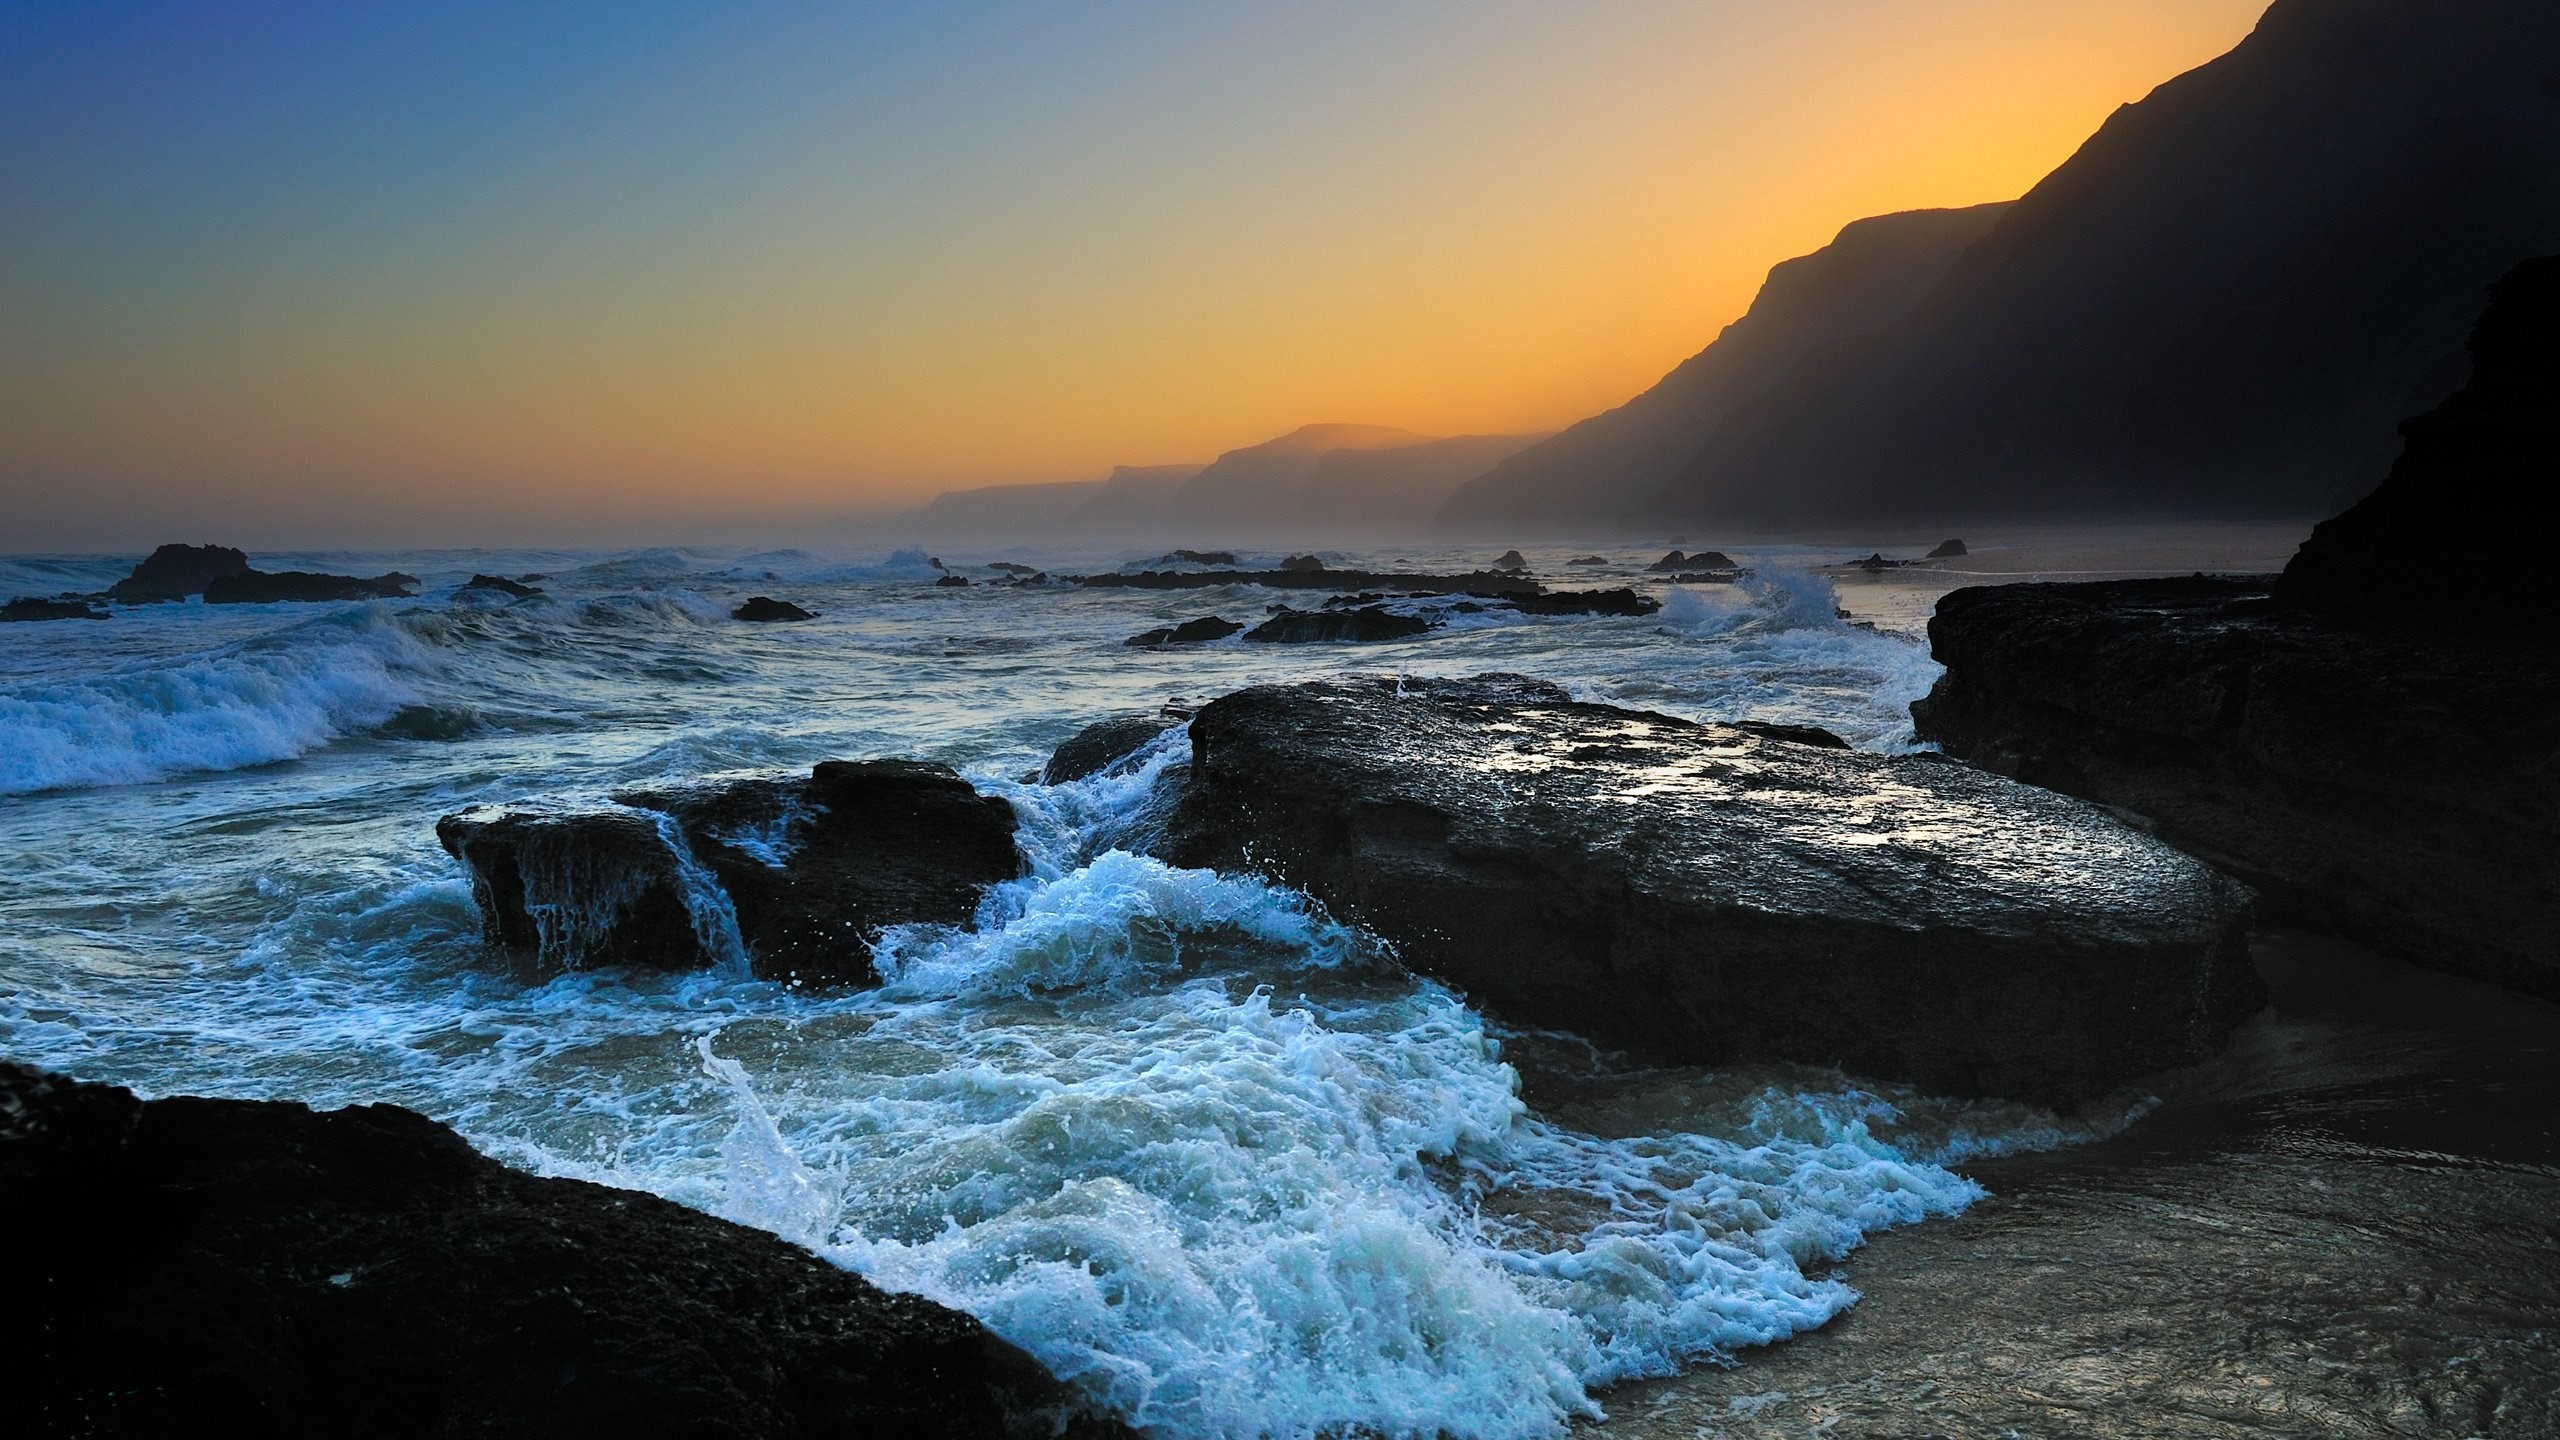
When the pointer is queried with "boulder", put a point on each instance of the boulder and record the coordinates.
(1670, 562)
(190, 1266)
(174, 572)
(764, 609)
(502, 585)
(1367, 623)
(1011, 567)
(1948, 550)
(1585, 602)
(1304, 564)
(260, 587)
(28, 607)
(801, 875)
(1708, 560)
(1102, 746)
(2395, 786)
(954, 582)
(1511, 560)
(1189, 632)
(1813, 735)
(1701, 894)
(1588, 560)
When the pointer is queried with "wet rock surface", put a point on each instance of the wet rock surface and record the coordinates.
(2397, 787)
(1102, 745)
(27, 607)
(502, 585)
(261, 587)
(1585, 602)
(800, 874)
(1473, 582)
(1189, 632)
(2332, 1230)
(765, 610)
(1360, 625)
(1701, 894)
(174, 572)
(188, 1266)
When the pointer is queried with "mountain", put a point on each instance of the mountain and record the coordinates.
(1001, 506)
(2219, 306)
(1610, 466)
(1400, 490)
(1133, 495)
(1261, 482)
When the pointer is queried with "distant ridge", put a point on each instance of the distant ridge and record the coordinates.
(2220, 306)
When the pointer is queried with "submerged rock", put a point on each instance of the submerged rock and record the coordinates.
(764, 609)
(28, 607)
(1701, 894)
(193, 1266)
(954, 582)
(1588, 560)
(1189, 632)
(1102, 746)
(1947, 550)
(174, 572)
(502, 585)
(2397, 787)
(1305, 627)
(1012, 567)
(796, 876)
(260, 587)
(1585, 602)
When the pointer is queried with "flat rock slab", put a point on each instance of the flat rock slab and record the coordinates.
(1701, 894)
(799, 876)
(195, 1266)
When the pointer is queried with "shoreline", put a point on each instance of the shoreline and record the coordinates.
(2343, 1226)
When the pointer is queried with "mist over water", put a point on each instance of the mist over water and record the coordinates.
(1210, 1155)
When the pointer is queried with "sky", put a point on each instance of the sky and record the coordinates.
(393, 274)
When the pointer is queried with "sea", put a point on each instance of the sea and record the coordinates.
(1214, 1157)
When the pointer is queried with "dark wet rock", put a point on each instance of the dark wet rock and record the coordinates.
(502, 585)
(174, 572)
(952, 581)
(1302, 563)
(764, 609)
(1010, 567)
(1306, 627)
(1189, 632)
(260, 587)
(1709, 560)
(1700, 894)
(1706, 577)
(803, 873)
(1511, 560)
(1947, 550)
(1588, 560)
(1672, 561)
(1813, 735)
(1872, 562)
(1103, 745)
(2397, 787)
(1199, 557)
(1585, 602)
(28, 607)
(1473, 582)
(195, 1266)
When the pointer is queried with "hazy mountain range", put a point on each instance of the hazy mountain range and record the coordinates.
(2221, 305)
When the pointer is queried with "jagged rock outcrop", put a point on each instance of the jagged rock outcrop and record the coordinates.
(1947, 550)
(502, 585)
(1189, 632)
(262, 587)
(1363, 624)
(189, 1266)
(765, 610)
(1103, 745)
(174, 572)
(797, 876)
(1703, 894)
(29, 607)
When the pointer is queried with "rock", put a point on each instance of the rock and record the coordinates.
(259, 587)
(764, 609)
(1307, 564)
(501, 584)
(1585, 602)
(1948, 550)
(1189, 632)
(1474, 582)
(1813, 735)
(1511, 560)
(366, 1272)
(1707, 577)
(1199, 557)
(174, 572)
(1708, 560)
(1699, 894)
(1010, 567)
(2410, 553)
(1670, 562)
(1302, 627)
(801, 874)
(2396, 787)
(28, 607)
(951, 581)
(1102, 746)
(1588, 560)
(1872, 562)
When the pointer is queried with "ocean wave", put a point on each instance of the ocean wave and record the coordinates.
(250, 703)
